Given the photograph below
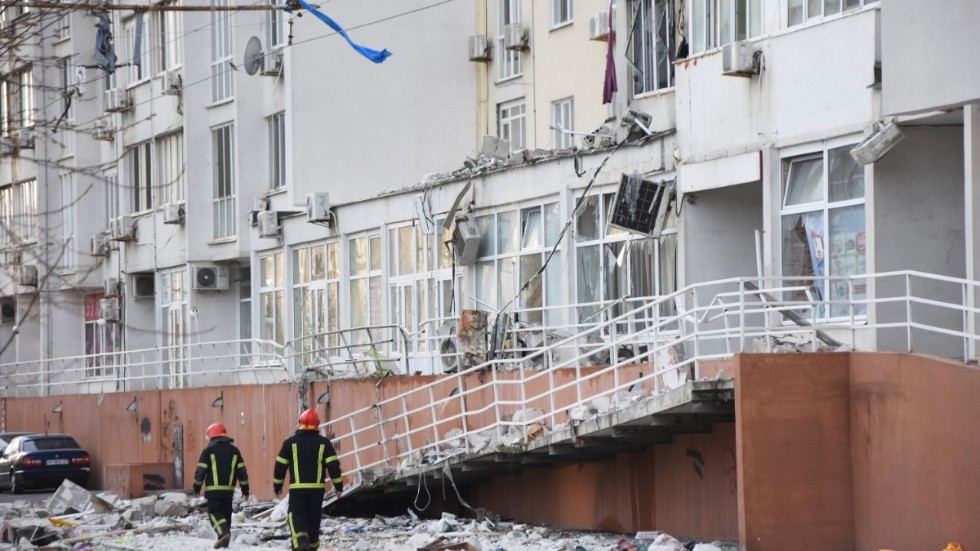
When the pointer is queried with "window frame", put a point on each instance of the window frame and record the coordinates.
(225, 185)
(68, 184)
(101, 340)
(272, 297)
(222, 77)
(643, 56)
(723, 22)
(509, 63)
(167, 27)
(317, 302)
(507, 117)
(803, 7)
(171, 169)
(560, 8)
(372, 275)
(141, 72)
(139, 171)
(559, 109)
(277, 150)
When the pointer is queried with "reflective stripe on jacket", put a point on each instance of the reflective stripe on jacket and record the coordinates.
(305, 456)
(220, 467)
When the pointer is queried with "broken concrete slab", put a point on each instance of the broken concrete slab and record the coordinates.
(72, 498)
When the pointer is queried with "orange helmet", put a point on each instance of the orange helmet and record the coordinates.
(309, 420)
(216, 430)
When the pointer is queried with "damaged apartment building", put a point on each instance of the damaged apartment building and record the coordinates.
(533, 220)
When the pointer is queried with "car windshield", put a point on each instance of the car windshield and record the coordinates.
(48, 444)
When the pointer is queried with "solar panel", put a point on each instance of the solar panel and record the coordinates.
(641, 205)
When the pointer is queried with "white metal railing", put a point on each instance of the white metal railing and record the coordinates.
(183, 366)
(638, 347)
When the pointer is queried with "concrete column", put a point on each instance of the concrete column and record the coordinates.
(971, 187)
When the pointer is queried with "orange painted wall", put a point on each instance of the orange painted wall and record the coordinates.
(656, 489)
(915, 438)
(792, 416)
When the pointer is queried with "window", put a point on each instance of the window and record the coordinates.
(102, 340)
(823, 227)
(68, 199)
(514, 246)
(245, 313)
(508, 61)
(168, 38)
(272, 298)
(420, 287)
(798, 11)
(563, 123)
(64, 24)
(18, 213)
(715, 23)
(136, 35)
(111, 197)
(174, 310)
(140, 177)
(365, 282)
(613, 263)
(222, 152)
(316, 299)
(561, 12)
(68, 108)
(510, 120)
(222, 83)
(651, 48)
(170, 159)
(277, 151)
(274, 25)
(18, 100)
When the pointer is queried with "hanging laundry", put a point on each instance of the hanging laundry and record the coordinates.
(373, 55)
(105, 53)
(79, 80)
(609, 83)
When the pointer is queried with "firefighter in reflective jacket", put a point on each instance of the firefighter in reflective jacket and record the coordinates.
(305, 455)
(220, 466)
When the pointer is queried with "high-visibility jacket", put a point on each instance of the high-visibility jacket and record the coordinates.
(219, 468)
(305, 456)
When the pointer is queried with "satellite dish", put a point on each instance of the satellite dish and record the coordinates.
(253, 55)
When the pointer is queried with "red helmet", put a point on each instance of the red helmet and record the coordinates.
(309, 420)
(216, 430)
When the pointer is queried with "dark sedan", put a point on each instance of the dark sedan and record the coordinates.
(41, 461)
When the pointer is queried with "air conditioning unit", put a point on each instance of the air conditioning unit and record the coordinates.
(172, 82)
(449, 352)
(268, 222)
(209, 277)
(599, 26)
(466, 241)
(109, 309)
(110, 286)
(516, 37)
(24, 138)
(318, 208)
(8, 309)
(259, 203)
(100, 245)
(122, 229)
(173, 213)
(12, 257)
(876, 145)
(739, 59)
(102, 131)
(642, 206)
(27, 276)
(117, 100)
(481, 49)
(272, 63)
(144, 286)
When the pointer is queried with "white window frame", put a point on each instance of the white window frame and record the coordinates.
(174, 296)
(275, 26)
(25, 214)
(167, 31)
(509, 62)
(222, 77)
(715, 23)
(111, 194)
(561, 13)
(824, 206)
(64, 23)
(317, 283)
(370, 311)
(139, 169)
(225, 183)
(563, 117)
(139, 70)
(272, 297)
(512, 123)
(799, 12)
(651, 49)
(277, 151)
(102, 340)
(171, 171)
(245, 334)
(21, 95)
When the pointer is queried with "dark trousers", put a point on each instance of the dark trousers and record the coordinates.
(219, 513)
(305, 508)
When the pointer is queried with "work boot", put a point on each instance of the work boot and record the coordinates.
(223, 541)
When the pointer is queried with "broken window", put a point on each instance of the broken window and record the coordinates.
(245, 314)
(365, 283)
(562, 123)
(316, 306)
(823, 230)
(174, 310)
(272, 300)
(101, 339)
(651, 47)
(715, 23)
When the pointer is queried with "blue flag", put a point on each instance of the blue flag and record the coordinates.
(373, 55)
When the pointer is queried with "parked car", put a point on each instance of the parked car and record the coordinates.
(6, 437)
(42, 461)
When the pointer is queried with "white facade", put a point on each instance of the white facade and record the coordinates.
(765, 184)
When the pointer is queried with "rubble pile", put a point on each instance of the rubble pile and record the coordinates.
(75, 519)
